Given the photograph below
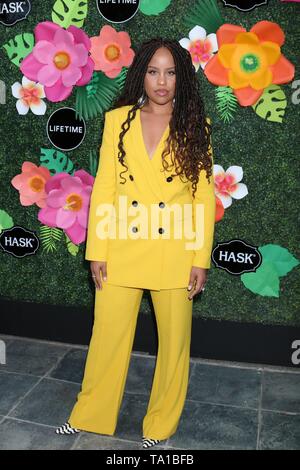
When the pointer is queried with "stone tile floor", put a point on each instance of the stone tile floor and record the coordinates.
(228, 406)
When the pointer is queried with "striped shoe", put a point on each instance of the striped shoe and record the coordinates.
(149, 442)
(66, 428)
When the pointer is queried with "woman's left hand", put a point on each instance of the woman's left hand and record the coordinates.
(197, 281)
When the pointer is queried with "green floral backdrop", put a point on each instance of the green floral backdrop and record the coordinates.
(265, 150)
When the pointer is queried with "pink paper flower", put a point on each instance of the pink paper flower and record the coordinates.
(111, 51)
(67, 204)
(31, 184)
(59, 60)
(227, 184)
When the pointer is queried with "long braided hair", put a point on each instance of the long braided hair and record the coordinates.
(189, 137)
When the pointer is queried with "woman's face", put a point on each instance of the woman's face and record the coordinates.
(160, 77)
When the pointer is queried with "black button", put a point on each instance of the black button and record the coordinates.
(161, 205)
(134, 229)
(169, 179)
(134, 203)
(161, 230)
(131, 177)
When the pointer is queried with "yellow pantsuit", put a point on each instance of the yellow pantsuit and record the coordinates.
(116, 311)
(159, 263)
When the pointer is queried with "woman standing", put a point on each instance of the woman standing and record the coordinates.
(155, 161)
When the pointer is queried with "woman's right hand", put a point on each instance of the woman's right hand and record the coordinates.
(96, 268)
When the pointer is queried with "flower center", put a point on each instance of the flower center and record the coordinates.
(112, 52)
(249, 63)
(61, 60)
(73, 202)
(200, 51)
(36, 183)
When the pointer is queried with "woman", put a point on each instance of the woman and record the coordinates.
(157, 125)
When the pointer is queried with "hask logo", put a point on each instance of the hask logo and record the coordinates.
(19, 241)
(245, 5)
(13, 11)
(236, 257)
(118, 11)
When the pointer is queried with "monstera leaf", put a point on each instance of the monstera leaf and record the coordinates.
(6, 220)
(56, 161)
(271, 104)
(19, 47)
(69, 12)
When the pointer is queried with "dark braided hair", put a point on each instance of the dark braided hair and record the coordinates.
(189, 137)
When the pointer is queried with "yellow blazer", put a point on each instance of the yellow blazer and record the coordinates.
(140, 246)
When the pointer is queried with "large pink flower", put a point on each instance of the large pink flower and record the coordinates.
(68, 199)
(59, 60)
(31, 184)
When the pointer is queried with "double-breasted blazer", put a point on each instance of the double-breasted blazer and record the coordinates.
(132, 226)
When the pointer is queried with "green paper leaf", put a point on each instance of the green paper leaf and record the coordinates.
(72, 248)
(282, 260)
(56, 161)
(97, 96)
(227, 103)
(19, 47)
(264, 281)
(93, 160)
(204, 13)
(6, 220)
(153, 7)
(271, 104)
(49, 237)
(69, 12)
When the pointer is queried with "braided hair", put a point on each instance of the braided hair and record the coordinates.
(188, 142)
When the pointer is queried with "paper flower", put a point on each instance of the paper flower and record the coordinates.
(227, 184)
(59, 60)
(29, 94)
(111, 51)
(67, 203)
(31, 184)
(249, 62)
(219, 210)
(200, 46)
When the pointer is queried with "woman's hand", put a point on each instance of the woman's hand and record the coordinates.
(197, 281)
(96, 268)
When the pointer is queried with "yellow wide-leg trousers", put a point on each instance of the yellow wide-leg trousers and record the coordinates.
(115, 318)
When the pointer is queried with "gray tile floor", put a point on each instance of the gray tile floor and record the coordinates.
(228, 405)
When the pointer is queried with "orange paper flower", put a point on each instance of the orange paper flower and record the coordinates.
(111, 51)
(249, 62)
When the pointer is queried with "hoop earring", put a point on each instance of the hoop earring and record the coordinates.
(142, 99)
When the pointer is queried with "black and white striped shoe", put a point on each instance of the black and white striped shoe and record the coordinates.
(66, 428)
(149, 442)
